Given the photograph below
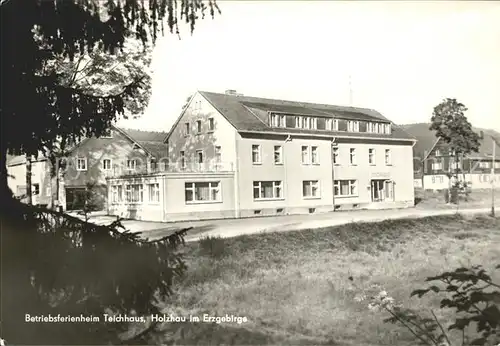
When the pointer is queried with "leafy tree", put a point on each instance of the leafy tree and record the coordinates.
(455, 131)
(53, 107)
(58, 86)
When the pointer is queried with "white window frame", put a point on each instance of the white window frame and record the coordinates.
(48, 190)
(314, 123)
(129, 164)
(306, 123)
(110, 164)
(314, 160)
(187, 129)
(388, 129)
(353, 126)
(199, 162)
(79, 166)
(116, 193)
(199, 127)
(335, 157)
(313, 186)
(497, 164)
(218, 154)
(437, 165)
(335, 124)
(182, 157)
(281, 120)
(257, 149)
(437, 153)
(298, 122)
(273, 119)
(353, 157)
(372, 154)
(130, 193)
(153, 192)
(306, 160)
(352, 183)
(329, 124)
(277, 185)
(211, 124)
(212, 186)
(388, 157)
(278, 150)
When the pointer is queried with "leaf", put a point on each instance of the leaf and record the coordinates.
(419, 292)
(479, 341)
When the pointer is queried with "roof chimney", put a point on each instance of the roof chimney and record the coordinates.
(232, 92)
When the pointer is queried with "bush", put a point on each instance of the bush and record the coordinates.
(470, 292)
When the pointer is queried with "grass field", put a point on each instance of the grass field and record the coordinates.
(435, 199)
(295, 288)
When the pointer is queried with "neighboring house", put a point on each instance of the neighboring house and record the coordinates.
(236, 156)
(476, 169)
(418, 179)
(40, 179)
(122, 152)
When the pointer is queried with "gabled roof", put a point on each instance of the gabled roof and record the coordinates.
(485, 148)
(249, 114)
(21, 160)
(150, 141)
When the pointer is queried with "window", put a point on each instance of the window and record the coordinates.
(352, 156)
(202, 192)
(278, 155)
(310, 189)
(387, 129)
(371, 156)
(305, 155)
(437, 152)
(153, 164)
(314, 123)
(335, 124)
(81, 164)
(497, 164)
(314, 155)
(106, 164)
(218, 154)
(198, 126)
(437, 165)
(335, 156)
(484, 164)
(353, 126)
(35, 189)
(154, 192)
(388, 159)
(274, 120)
(211, 124)
(116, 193)
(199, 156)
(132, 164)
(454, 165)
(281, 120)
(183, 160)
(307, 122)
(48, 191)
(187, 129)
(256, 154)
(267, 190)
(345, 188)
(298, 122)
(134, 193)
(197, 108)
(329, 124)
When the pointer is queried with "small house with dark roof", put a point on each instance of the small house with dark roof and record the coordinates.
(232, 155)
(479, 169)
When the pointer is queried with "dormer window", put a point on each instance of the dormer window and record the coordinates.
(298, 122)
(387, 129)
(277, 120)
(307, 123)
(353, 126)
(314, 123)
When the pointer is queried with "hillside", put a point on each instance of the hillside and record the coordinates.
(426, 137)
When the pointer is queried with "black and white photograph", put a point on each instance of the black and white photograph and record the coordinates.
(266, 172)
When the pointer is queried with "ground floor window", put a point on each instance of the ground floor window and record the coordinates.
(382, 190)
(116, 193)
(267, 190)
(134, 193)
(345, 188)
(203, 191)
(310, 188)
(154, 192)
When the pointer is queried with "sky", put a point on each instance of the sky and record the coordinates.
(399, 57)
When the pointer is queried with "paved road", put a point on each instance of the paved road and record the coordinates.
(236, 227)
